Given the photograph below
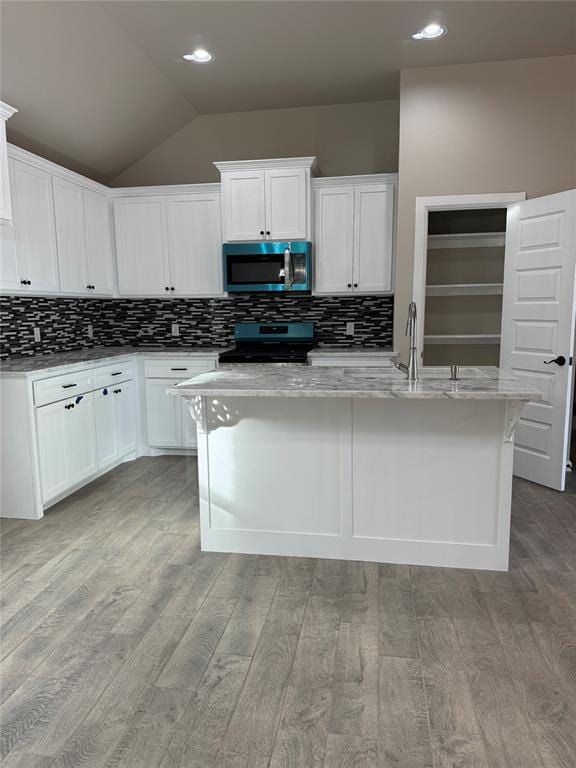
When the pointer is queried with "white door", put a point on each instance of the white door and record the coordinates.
(141, 246)
(244, 210)
(538, 329)
(286, 197)
(82, 438)
(106, 431)
(98, 234)
(334, 239)
(69, 216)
(163, 414)
(35, 230)
(126, 417)
(373, 238)
(53, 455)
(195, 243)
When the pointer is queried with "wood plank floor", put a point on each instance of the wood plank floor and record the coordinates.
(125, 646)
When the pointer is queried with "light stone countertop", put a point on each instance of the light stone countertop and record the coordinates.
(488, 383)
(23, 367)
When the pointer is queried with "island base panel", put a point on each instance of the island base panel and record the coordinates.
(426, 482)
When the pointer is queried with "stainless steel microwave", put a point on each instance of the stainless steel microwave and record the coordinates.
(283, 267)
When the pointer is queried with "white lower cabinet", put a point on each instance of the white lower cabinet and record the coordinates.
(106, 437)
(50, 446)
(168, 419)
(126, 406)
(115, 409)
(163, 415)
(170, 424)
(66, 434)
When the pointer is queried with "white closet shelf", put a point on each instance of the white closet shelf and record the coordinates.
(467, 240)
(465, 289)
(465, 338)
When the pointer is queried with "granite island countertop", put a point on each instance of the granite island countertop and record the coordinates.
(285, 380)
(85, 358)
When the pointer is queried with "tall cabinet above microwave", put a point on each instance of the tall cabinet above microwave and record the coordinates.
(266, 199)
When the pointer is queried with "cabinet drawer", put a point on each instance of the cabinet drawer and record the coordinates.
(111, 374)
(175, 368)
(63, 386)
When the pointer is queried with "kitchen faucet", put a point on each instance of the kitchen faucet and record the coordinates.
(411, 370)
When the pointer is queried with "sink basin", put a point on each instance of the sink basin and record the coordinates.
(428, 372)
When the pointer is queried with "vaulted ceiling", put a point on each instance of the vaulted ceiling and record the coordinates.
(100, 84)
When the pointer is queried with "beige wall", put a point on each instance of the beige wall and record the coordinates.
(477, 128)
(346, 138)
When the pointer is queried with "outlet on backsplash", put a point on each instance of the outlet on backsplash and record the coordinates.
(37, 335)
(349, 329)
(90, 331)
(175, 329)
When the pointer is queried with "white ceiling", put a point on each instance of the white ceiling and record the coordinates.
(99, 84)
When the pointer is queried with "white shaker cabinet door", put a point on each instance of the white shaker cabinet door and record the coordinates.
(286, 203)
(106, 437)
(71, 243)
(35, 229)
(163, 414)
(9, 274)
(141, 246)
(126, 417)
(189, 438)
(195, 243)
(98, 232)
(334, 239)
(244, 210)
(82, 438)
(373, 238)
(52, 425)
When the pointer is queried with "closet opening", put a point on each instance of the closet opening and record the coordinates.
(464, 279)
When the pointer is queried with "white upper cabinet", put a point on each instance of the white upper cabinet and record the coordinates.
(141, 245)
(266, 199)
(334, 238)
(373, 237)
(354, 234)
(9, 271)
(244, 210)
(34, 229)
(287, 201)
(83, 239)
(6, 111)
(169, 245)
(195, 243)
(98, 233)
(70, 239)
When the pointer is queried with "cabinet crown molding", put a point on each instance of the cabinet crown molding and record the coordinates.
(361, 180)
(310, 163)
(6, 110)
(166, 189)
(16, 153)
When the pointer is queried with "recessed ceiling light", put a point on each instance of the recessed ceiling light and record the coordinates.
(201, 55)
(430, 32)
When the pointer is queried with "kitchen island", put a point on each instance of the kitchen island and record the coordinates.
(357, 463)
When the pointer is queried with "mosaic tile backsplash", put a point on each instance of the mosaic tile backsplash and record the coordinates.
(63, 323)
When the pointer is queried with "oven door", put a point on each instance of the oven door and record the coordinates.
(261, 267)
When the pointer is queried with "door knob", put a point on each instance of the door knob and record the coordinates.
(560, 360)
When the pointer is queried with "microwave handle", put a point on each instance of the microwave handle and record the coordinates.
(288, 278)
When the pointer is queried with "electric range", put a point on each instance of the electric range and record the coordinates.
(270, 343)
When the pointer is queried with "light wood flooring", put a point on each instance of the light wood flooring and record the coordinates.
(124, 645)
